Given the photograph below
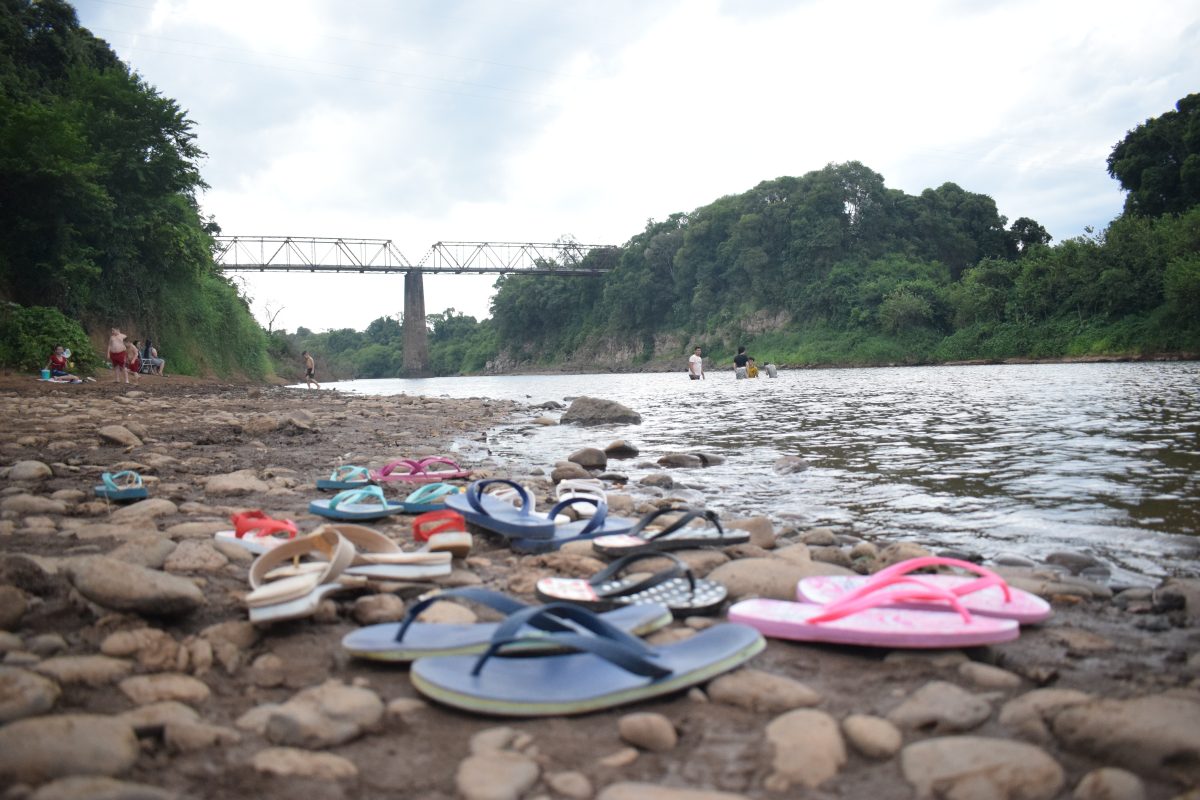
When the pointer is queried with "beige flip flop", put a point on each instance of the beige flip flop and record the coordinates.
(374, 556)
(298, 595)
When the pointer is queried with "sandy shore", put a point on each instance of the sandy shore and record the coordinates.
(1102, 700)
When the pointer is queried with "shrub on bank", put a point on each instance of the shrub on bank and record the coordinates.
(28, 336)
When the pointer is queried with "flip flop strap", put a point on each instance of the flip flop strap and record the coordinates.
(612, 651)
(641, 524)
(425, 462)
(431, 491)
(267, 527)
(349, 472)
(677, 570)
(340, 551)
(916, 590)
(441, 521)
(125, 479)
(485, 597)
(475, 492)
(986, 578)
(390, 467)
(585, 486)
(566, 617)
(353, 496)
(243, 520)
(597, 520)
(678, 524)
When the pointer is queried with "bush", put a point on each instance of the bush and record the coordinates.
(28, 337)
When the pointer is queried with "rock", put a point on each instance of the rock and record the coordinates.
(648, 731)
(941, 707)
(568, 470)
(491, 740)
(38, 749)
(819, 537)
(545, 421)
(593, 411)
(127, 587)
(499, 775)
(118, 434)
(186, 737)
(1109, 783)
(768, 577)
(830, 555)
(761, 692)
(84, 670)
(448, 613)
(573, 785)
(789, 465)
(761, 530)
(93, 787)
(874, 737)
(660, 479)
(901, 551)
(1081, 642)
(146, 689)
(808, 749)
(46, 644)
(291, 762)
(13, 605)
(589, 458)
(680, 461)
(1029, 713)
(1075, 562)
(988, 677)
(152, 719)
(710, 459)
(144, 511)
(30, 471)
(1157, 734)
(377, 608)
(197, 529)
(154, 649)
(324, 716)
(32, 504)
(24, 694)
(651, 791)
(150, 551)
(977, 767)
(242, 482)
(194, 555)
(268, 670)
(1181, 593)
(621, 449)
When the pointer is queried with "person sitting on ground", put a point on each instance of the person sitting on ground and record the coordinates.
(751, 369)
(58, 364)
(133, 362)
(150, 357)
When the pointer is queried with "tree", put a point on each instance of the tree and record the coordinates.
(1158, 162)
(1027, 233)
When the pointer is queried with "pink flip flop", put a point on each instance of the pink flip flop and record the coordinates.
(985, 594)
(876, 620)
(412, 470)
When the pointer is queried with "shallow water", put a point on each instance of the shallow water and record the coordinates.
(998, 459)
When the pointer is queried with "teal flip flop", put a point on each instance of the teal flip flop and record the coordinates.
(356, 504)
(347, 476)
(430, 497)
(123, 486)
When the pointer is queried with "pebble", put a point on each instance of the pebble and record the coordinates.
(324, 716)
(573, 785)
(376, 608)
(760, 691)
(194, 555)
(118, 434)
(128, 587)
(268, 670)
(154, 649)
(150, 550)
(186, 737)
(986, 676)
(819, 537)
(589, 458)
(808, 749)
(448, 613)
(92, 787)
(84, 670)
(37, 749)
(497, 775)
(32, 504)
(761, 530)
(1073, 561)
(491, 740)
(30, 471)
(621, 449)
(242, 482)
(901, 551)
(768, 577)
(1109, 783)
(651, 791)
(144, 511)
(25, 694)
(974, 766)
(146, 689)
(150, 720)
(10, 641)
(1028, 714)
(680, 461)
(874, 737)
(621, 758)
(292, 762)
(941, 707)
(648, 731)
(46, 644)
(13, 605)
(660, 479)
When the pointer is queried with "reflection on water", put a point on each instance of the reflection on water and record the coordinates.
(1025, 459)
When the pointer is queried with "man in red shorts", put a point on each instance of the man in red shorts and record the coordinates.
(116, 355)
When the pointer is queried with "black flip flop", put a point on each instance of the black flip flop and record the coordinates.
(675, 587)
(676, 536)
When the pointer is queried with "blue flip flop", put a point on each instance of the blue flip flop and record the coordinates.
(609, 668)
(498, 516)
(430, 497)
(356, 504)
(409, 640)
(121, 486)
(347, 476)
(599, 524)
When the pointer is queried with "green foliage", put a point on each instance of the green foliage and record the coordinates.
(29, 335)
(1181, 284)
(1158, 162)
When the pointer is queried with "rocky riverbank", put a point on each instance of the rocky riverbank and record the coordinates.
(129, 668)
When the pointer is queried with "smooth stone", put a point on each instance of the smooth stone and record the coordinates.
(545, 421)
(30, 471)
(627, 790)
(621, 449)
(491, 740)
(808, 749)
(497, 775)
(648, 731)
(789, 465)
(93, 787)
(293, 762)
(896, 552)
(1109, 783)
(197, 529)
(47, 644)
(32, 504)
(187, 737)
(376, 608)
(986, 676)
(594, 411)
(1075, 562)
(680, 461)
(144, 511)
(819, 537)
(324, 716)
(446, 612)
(941, 707)
(150, 551)
(150, 720)
(977, 767)
(37, 749)
(25, 694)
(761, 530)
(10, 641)
(128, 587)
(194, 555)
(874, 737)
(13, 605)
(660, 479)
(589, 458)
(84, 670)
(768, 577)
(242, 482)
(118, 434)
(572, 785)
(146, 689)
(1030, 713)
(568, 470)
(762, 692)
(268, 670)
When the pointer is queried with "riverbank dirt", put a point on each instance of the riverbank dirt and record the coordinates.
(1102, 700)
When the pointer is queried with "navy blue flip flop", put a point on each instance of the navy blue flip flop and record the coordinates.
(409, 640)
(123, 486)
(347, 476)
(608, 668)
(675, 587)
(599, 524)
(498, 516)
(356, 504)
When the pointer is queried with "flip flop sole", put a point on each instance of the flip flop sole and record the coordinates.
(1024, 607)
(625, 545)
(252, 544)
(122, 495)
(378, 642)
(570, 532)
(576, 683)
(675, 594)
(341, 486)
(883, 626)
(400, 571)
(299, 608)
(352, 511)
(502, 519)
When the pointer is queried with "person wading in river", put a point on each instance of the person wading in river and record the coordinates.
(310, 368)
(696, 366)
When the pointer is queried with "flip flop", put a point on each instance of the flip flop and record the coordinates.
(876, 620)
(596, 523)
(499, 517)
(347, 476)
(430, 497)
(377, 556)
(647, 538)
(675, 587)
(609, 668)
(570, 488)
(122, 486)
(986, 595)
(298, 595)
(417, 470)
(409, 640)
(443, 531)
(257, 531)
(355, 505)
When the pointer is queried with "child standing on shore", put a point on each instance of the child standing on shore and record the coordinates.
(116, 355)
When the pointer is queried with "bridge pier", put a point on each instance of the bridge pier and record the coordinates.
(416, 335)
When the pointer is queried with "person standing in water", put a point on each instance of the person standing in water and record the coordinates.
(310, 369)
(696, 366)
(739, 363)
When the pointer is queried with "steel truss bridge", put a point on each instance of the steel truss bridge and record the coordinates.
(382, 257)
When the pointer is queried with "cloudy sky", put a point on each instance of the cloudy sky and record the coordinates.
(527, 120)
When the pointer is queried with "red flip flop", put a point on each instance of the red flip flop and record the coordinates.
(443, 530)
(257, 531)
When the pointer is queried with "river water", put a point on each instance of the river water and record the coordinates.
(994, 460)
